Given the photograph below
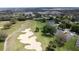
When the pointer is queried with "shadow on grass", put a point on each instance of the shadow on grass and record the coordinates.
(46, 35)
(2, 40)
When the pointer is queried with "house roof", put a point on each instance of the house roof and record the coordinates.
(65, 34)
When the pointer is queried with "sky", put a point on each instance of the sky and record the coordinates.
(39, 3)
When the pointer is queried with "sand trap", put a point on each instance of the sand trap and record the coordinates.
(29, 38)
(34, 46)
(26, 30)
(24, 36)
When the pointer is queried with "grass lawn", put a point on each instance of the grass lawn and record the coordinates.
(15, 45)
(1, 46)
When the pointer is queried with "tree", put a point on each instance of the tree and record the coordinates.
(65, 24)
(5, 18)
(49, 30)
(43, 20)
(75, 28)
(51, 18)
(51, 46)
(37, 15)
(13, 21)
(21, 17)
(7, 25)
(37, 29)
(59, 42)
(57, 21)
(3, 36)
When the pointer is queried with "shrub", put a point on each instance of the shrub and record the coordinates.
(75, 28)
(7, 25)
(37, 29)
(65, 24)
(12, 21)
(49, 30)
(42, 20)
(51, 46)
(21, 17)
(3, 36)
(59, 42)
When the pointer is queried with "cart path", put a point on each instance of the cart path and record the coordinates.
(6, 40)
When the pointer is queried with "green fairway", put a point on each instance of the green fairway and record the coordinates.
(1, 46)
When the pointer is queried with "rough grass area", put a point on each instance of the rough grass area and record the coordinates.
(1, 46)
(2, 23)
(9, 31)
(2, 42)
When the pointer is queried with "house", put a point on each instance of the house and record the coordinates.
(64, 34)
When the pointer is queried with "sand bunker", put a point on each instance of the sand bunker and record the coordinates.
(29, 38)
(26, 30)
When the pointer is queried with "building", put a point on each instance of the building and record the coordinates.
(64, 34)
